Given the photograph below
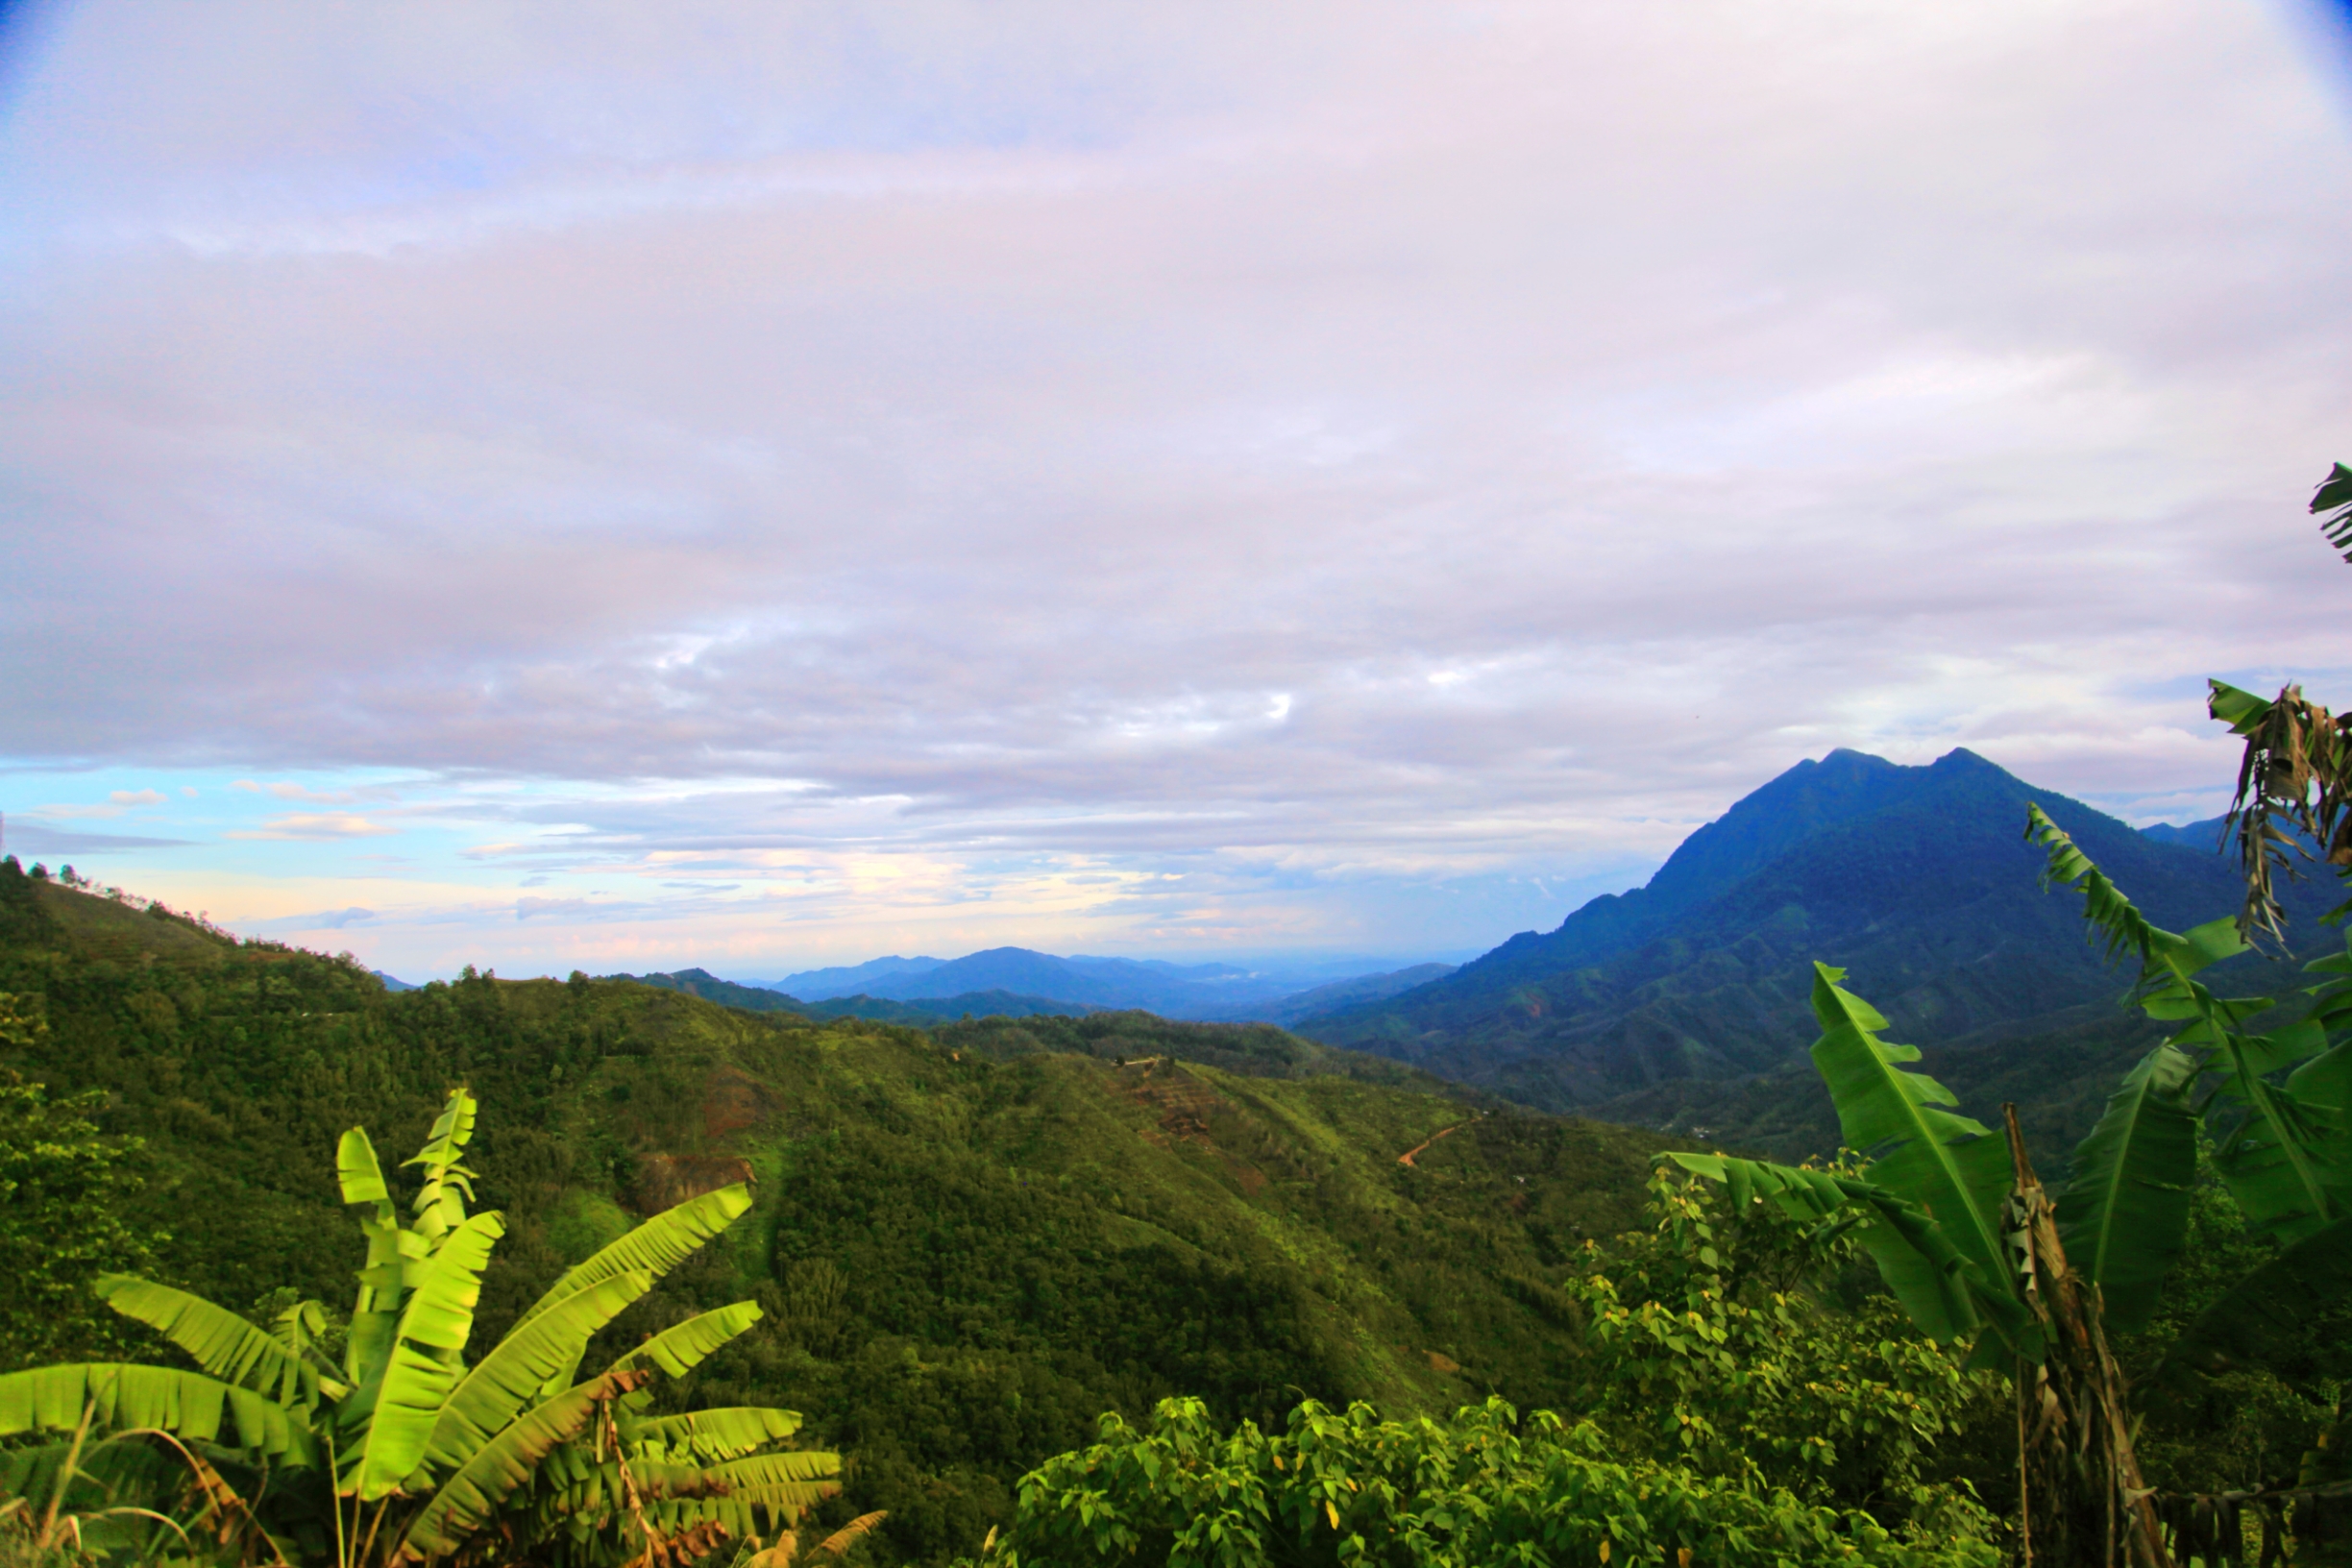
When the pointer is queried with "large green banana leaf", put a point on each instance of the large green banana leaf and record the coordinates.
(725, 1434)
(2282, 1167)
(2322, 1087)
(221, 1342)
(513, 1373)
(121, 1395)
(776, 1469)
(657, 1246)
(2125, 1214)
(440, 1202)
(678, 1351)
(468, 1499)
(2287, 1174)
(1947, 1163)
(357, 1170)
(1945, 1295)
(424, 1367)
(376, 1311)
(2262, 1312)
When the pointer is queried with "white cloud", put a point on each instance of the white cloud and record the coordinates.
(315, 826)
(1357, 446)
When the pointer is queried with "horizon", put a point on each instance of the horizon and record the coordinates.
(1258, 961)
(591, 490)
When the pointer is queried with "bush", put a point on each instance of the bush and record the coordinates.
(1483, 1488)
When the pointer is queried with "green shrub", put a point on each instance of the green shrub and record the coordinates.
(1483, 1488)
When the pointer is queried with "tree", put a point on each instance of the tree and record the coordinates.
(402, 1452)
(63, 1187)
(1708, 1342)
(1731, 1415)
(1484, 1488)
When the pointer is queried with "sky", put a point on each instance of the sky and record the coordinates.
(770, 484)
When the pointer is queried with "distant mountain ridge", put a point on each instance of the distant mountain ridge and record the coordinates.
(918, 1014)
(844, 980)
(1917, 880)
(1209, 993)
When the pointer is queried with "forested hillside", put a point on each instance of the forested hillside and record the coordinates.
(1916, 880)
(969, 1244)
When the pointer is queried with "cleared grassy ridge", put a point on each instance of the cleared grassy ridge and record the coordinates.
(969, 1242)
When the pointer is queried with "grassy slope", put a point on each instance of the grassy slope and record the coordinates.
(969, 1242)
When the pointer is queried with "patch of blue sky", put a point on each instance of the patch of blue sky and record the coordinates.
(175, 823)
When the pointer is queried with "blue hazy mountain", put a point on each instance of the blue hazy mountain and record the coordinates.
(1286, 1010)
(816, 985)
(1178, 991)
(2205, 835)
(1022, 980)
(918, 1014)
(1917, 880)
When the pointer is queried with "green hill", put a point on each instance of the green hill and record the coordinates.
(969, 1242)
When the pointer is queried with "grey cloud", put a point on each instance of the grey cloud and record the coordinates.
(1354, 437)
(33, 839)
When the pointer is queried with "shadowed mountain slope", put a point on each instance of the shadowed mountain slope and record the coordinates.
(1916, 880)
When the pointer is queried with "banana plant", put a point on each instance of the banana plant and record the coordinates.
(1930, 1202)
(417, 1455)
(1968, 1239)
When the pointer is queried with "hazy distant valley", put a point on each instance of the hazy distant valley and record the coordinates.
(1017, 981)
(1681, 1004)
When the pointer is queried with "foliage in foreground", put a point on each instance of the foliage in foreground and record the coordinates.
(1731, 1414)
(1347, 1488)
(1966, 1235)
(291, 1447)
(966, 1245)
(1712, 1341)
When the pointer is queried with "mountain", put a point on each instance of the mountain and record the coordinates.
(1916, 880)
(1363, 988)
(816, 985)
(390, 984)
(1178, 991)
(2205, 835)
(966, 1243)
(917, 1014)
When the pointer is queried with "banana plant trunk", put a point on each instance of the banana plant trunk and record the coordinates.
(2082, 1503)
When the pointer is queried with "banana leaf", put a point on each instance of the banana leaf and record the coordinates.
(470, 1498)
(357, 1170)
(2286, 1172)
(2262, 1314)
(1948, 1296)
(1946, 1163)
(657, 1246)
(678, 1351)
(2283, 1166)
(512, 1375)
(221, 1342)
(440, 1202)
(121, 1395)
(725, 1434)
(2124, 1215)
(777, 1469)
(424, 1368)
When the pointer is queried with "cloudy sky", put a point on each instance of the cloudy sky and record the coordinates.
(769, 484)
